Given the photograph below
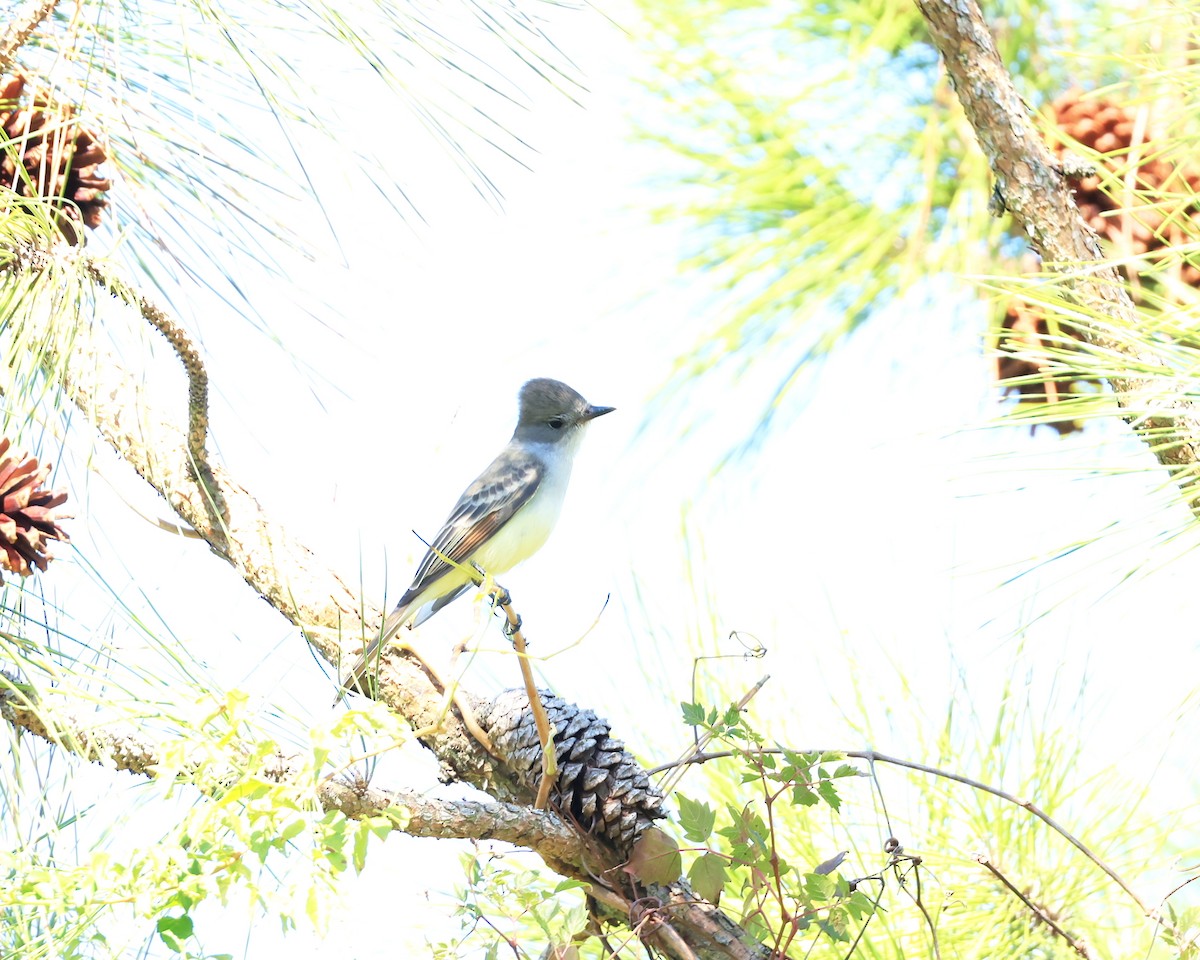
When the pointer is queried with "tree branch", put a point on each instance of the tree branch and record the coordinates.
(1035, 190)
(293, 580)
(131, 751)
(1042, 914)
(193, 365)
(690, 928)
(21, 29)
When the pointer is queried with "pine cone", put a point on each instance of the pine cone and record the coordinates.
(28, 517)
(1021, 355)
(1109, 128)
(48, 154)
(600, 786)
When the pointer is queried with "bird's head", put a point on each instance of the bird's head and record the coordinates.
(549, 411)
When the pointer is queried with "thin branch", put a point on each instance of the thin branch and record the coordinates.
(919, 900)
(1079, 946)
(1035, 190)
(699, 742)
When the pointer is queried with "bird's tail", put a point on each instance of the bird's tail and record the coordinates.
(354, 679)
(405, 615)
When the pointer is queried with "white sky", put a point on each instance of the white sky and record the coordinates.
(868, 542)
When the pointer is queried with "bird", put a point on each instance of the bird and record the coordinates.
(504, 516)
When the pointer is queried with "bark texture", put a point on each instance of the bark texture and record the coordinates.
(1035, 190)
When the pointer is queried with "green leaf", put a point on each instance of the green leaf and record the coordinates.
(707, 876)
(337, 859)
(173, 931)
(834, 924)
(693, 714)
(361, 838)
(396, 817)
(293, 829)
(655, 858)
(803, 796)
(312, 906)
(800, 761)
(697, 819)
(829, 794)
(859, 905)
(819, 887)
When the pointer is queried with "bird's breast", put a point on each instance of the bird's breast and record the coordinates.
(529, 527)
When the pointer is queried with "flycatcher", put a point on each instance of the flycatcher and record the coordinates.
(502, 518)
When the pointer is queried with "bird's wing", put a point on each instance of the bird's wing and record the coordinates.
(485, 506)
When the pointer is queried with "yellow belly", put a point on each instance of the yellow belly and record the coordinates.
(524, 535)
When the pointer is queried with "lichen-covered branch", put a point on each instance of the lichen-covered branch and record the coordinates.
(21, 27)
(193, 365)
(130, 751)
(279, 568)
(1035, 191)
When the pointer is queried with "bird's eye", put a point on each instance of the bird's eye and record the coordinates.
(557, 422)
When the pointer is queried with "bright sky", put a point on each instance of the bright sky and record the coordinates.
(873, 540)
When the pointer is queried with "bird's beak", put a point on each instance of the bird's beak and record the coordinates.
(591, 413)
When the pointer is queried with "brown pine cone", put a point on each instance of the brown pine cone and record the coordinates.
(28, 513)
(600, 786)
(49, 154)
(1022, 362)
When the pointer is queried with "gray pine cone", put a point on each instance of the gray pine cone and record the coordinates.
(600, 786)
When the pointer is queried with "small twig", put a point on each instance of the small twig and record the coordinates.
(500, 935)
(696, 749)
(503, 599)
(1041, 913)
(917, 898)
(754, 649)
(862, 931)
(21, 29)
(1159, 920)
(873, 756)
